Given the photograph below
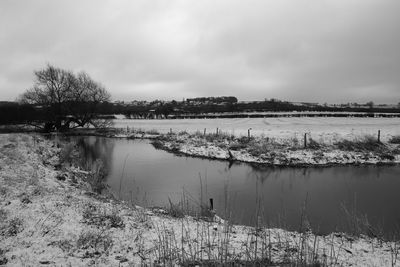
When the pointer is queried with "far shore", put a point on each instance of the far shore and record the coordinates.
(265, 151)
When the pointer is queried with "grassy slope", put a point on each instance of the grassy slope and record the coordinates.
(50, 216)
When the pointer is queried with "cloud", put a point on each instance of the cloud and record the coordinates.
(325, 51)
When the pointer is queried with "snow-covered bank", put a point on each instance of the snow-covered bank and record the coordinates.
(281, 152)
(49, 215)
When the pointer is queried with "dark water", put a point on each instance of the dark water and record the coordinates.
(140, 173)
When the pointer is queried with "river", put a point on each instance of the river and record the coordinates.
(330, 198)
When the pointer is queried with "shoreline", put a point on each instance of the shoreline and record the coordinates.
(268, 152)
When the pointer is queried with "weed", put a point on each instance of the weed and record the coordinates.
(99, 241)
(259, 147)
(3, 215)
(357, 224)
(153, 132)
(14, 227)
(181, 133)
(65, 245)
(175, 210)
(97, 176)
(3, 191)
(94, 216)
(3, 259)
(395, 139)
(157, 144)
(25, 199)
(312, 144)
(237, 146)
(365, 144)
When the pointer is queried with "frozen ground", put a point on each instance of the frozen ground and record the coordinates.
(326, 129)
(49, 216)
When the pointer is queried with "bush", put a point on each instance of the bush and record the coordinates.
(157, 144)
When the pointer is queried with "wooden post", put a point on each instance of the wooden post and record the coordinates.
(248, 133)
(170, 130)
(305, 140)
(211, 204)
(379, 136)
(217, 130)
(205, 131)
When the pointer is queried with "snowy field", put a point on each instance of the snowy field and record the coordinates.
(322, 129)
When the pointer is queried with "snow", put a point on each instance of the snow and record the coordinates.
(326, 129)
(49, 226)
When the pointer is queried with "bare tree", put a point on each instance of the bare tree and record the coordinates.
(69, 100)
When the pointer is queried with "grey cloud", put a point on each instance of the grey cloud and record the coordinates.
(326, 51)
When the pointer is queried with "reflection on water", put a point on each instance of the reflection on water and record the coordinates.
(138, 172)
(95, 149)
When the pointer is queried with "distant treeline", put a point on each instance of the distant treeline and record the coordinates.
(187, 109)
(15, 113)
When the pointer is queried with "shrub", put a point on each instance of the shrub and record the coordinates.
(157, 144)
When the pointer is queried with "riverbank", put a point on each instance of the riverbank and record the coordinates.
(49, 215)
(268, 151)
(281, 152)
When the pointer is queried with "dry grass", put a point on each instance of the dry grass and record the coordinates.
(395, 139)
(12, 228)
(94, 215)
(93, 242)
(365, 144)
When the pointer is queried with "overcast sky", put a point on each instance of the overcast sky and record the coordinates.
(331, 51)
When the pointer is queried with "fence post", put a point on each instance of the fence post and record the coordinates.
(248, 133)
(211, 204)
(170, 130)
(217, 130)
(204, 131)
(379, 136)
(305, 140)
